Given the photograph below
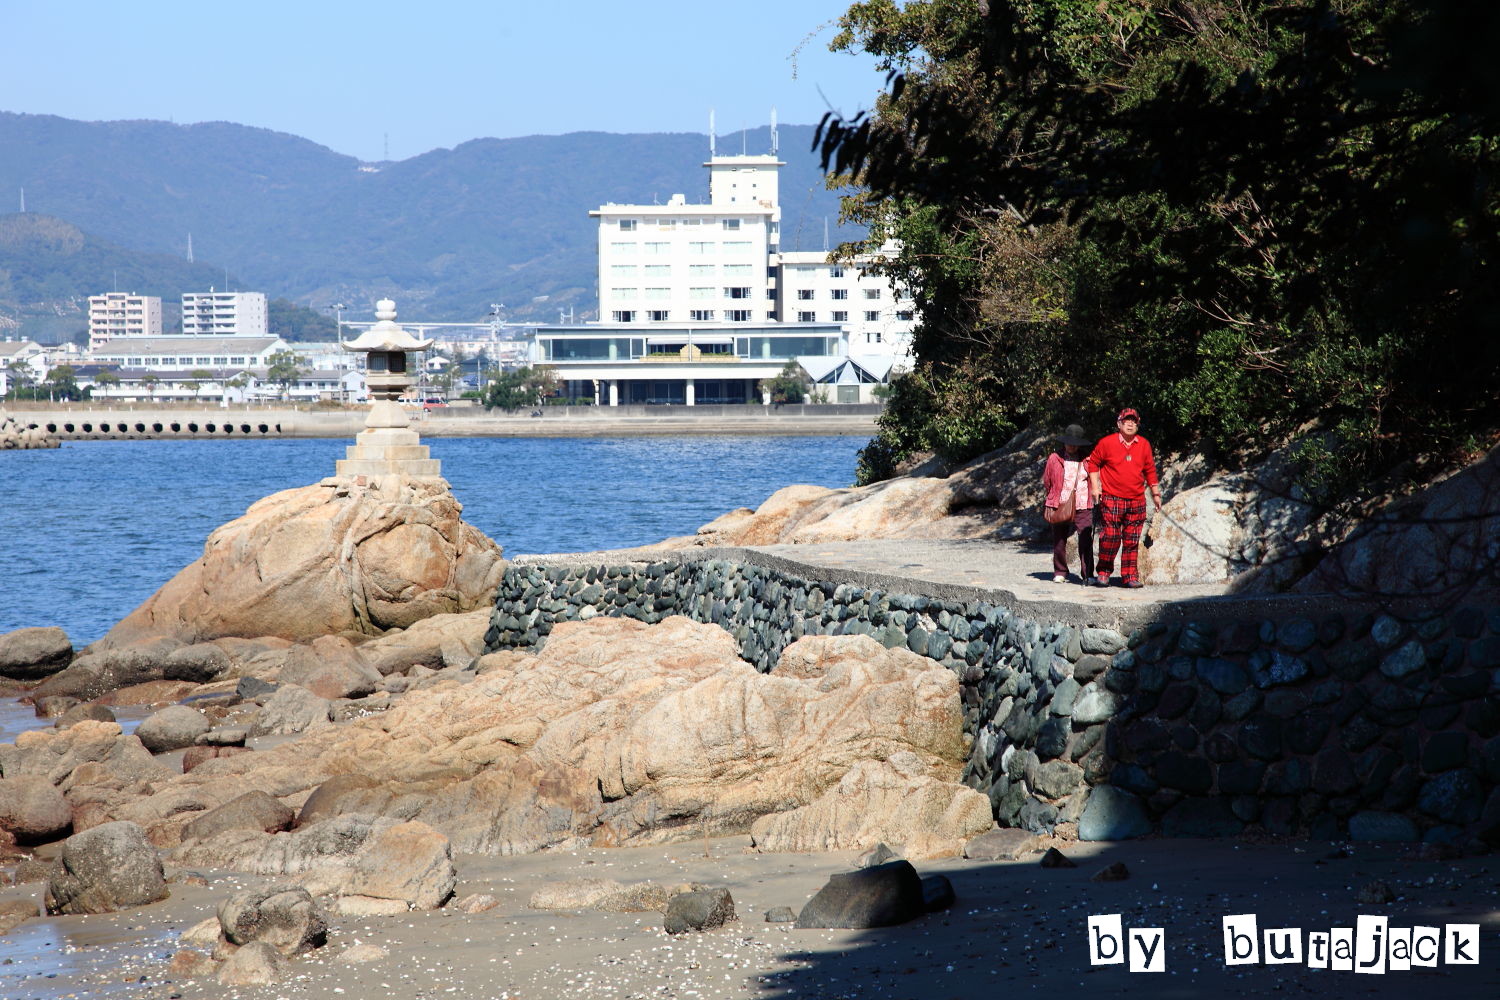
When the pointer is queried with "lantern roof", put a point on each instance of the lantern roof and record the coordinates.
(385, 335)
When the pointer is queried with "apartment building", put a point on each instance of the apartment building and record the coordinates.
(224, 314)
(122, 314)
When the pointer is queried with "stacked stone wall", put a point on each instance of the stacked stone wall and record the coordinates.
(1354, 723)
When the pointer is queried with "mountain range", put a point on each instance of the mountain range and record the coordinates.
(446, 233)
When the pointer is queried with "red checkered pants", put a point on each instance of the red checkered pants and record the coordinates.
(1123, 521)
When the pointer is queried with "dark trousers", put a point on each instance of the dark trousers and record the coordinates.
(1083, 524)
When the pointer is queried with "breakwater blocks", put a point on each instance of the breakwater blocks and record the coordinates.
(1357, 724)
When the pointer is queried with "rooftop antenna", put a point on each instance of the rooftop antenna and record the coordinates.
(825, 234)
(190, 248)
(775, 139)
(711, 140)
(744, 139)
(23, 201)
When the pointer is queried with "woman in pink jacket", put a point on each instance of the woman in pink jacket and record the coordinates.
(1065, 472)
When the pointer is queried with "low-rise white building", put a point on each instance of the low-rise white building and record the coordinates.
(182, 354)
(114, 315)
(679, 364)
(224, 314)
(878, 315)
(21, 361)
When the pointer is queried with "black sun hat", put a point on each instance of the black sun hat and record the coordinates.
(1073, 435)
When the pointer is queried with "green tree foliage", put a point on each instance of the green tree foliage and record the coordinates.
(284, 368)
(289, 321)
(108, 381)
(516, 389)
(790, 386)
(1237, 215)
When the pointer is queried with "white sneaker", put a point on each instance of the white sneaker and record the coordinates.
(1059, 578)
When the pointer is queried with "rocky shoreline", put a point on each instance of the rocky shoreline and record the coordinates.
(370, 734)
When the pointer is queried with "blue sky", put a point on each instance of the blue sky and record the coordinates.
(431, 74)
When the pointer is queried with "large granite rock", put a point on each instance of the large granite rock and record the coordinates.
(32, 809)
(880, 896)
(324, 559)
(111, 867)
(284, 917)
(878, 801)
(617, 732)
(1439, 544)
(172, 728)
(29, 654)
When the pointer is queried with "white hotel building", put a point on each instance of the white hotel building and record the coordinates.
(697, 303)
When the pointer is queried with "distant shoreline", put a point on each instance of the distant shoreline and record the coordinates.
(115, 423)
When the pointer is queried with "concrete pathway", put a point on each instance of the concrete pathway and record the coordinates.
(1012, 574)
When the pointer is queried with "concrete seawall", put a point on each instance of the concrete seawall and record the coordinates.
(144, 423)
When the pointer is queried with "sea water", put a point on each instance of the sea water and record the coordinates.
(90, 530)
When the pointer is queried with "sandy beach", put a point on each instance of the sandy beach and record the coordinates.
(1016, 927)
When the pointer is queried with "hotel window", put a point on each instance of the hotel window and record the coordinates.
(658, 293)
(807, 317)
(739, 292)
(658, 248)
(872, 338)
(701, 270)
(731, 225)
(658, 270)
(835, 272)
(623, 270)
(872, 315)
(204, 361)
(839, 294)
(701, 315)
(872, 293)
(623, 293)
(236, 361)
(179, 361)
(623, 316)
(739, 270)
(904, 315)
(657, 315)
(737, 246)
(627, 225)
(839, 316)
(221, 361)
(700, 293)
(805, 294)
(700, 247)
(623, 249)
(666, 223)
(691, 222)
(737, 315)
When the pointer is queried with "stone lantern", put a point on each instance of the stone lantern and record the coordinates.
(388, 446)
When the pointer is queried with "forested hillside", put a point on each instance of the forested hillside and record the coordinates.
(446, 233)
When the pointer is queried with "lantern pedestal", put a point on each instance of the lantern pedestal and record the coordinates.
(388, 448)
